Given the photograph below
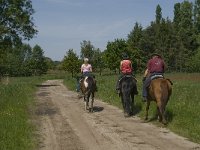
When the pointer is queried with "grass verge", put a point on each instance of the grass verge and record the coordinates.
(16, 101)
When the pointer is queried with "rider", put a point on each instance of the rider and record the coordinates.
(155, 67)
(86, 70)
(125, 69)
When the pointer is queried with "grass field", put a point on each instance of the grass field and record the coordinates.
(182, 111)
(16, 102)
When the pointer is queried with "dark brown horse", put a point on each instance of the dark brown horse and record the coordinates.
(159, 91)
(88, 85)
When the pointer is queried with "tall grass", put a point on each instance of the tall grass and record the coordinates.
(16, 99)
(184, 106)
(15, 129)
(182, 111)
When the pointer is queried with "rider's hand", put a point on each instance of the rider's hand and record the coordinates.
(143, 79)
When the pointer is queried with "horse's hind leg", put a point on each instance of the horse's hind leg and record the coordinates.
(91, 103)
(132, 103)
(158, 114)
(86, 105)
(164, 121)
(161, 113)
(86, 102)
(147, 109)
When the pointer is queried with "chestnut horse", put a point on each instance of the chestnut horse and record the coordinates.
(160, 90)
(88, 85)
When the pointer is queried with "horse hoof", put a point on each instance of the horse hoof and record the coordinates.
(126, 115)
(91, 110)
(164, 122)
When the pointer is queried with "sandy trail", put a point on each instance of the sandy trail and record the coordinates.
(64, 125)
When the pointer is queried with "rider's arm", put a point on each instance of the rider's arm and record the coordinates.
(120, 65)
(146, 73)
(82, 68)
(90, 68)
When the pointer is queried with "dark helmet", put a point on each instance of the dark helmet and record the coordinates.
(125, 56)
(156, 54)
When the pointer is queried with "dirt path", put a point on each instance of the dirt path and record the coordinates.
(64, 125)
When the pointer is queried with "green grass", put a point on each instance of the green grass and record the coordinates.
(15, 129)
(16, 102)
(184, 106)
(182, 111)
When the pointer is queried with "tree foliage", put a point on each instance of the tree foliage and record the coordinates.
(37, 61)
(87, 49)
(16, 25)
(177, 40)
(113, 53)
(71, 62)
(16, 22)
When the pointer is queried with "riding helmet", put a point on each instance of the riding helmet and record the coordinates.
(125, 56)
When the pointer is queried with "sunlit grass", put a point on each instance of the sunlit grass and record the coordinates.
(15, 129)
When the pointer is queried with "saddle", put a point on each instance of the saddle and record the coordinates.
(82, 82)
(128, 76)
(153, 77)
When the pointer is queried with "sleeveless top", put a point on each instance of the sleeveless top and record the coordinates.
(126, 67)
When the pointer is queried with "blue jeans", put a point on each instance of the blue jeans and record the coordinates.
(147, 82)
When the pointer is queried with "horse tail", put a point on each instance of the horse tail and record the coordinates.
(169, 82)
(166, 90)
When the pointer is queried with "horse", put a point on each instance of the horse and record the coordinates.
(160, 90)
(128, 89)
(88, 85)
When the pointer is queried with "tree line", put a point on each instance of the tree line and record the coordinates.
(177, 40)
(16, 26)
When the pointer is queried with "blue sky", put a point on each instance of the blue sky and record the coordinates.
(64, 24)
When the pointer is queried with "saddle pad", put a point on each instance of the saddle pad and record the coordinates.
(156, 76)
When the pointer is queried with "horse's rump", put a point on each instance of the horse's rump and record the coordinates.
(127, 82)
(87, 84)
(160, 88)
